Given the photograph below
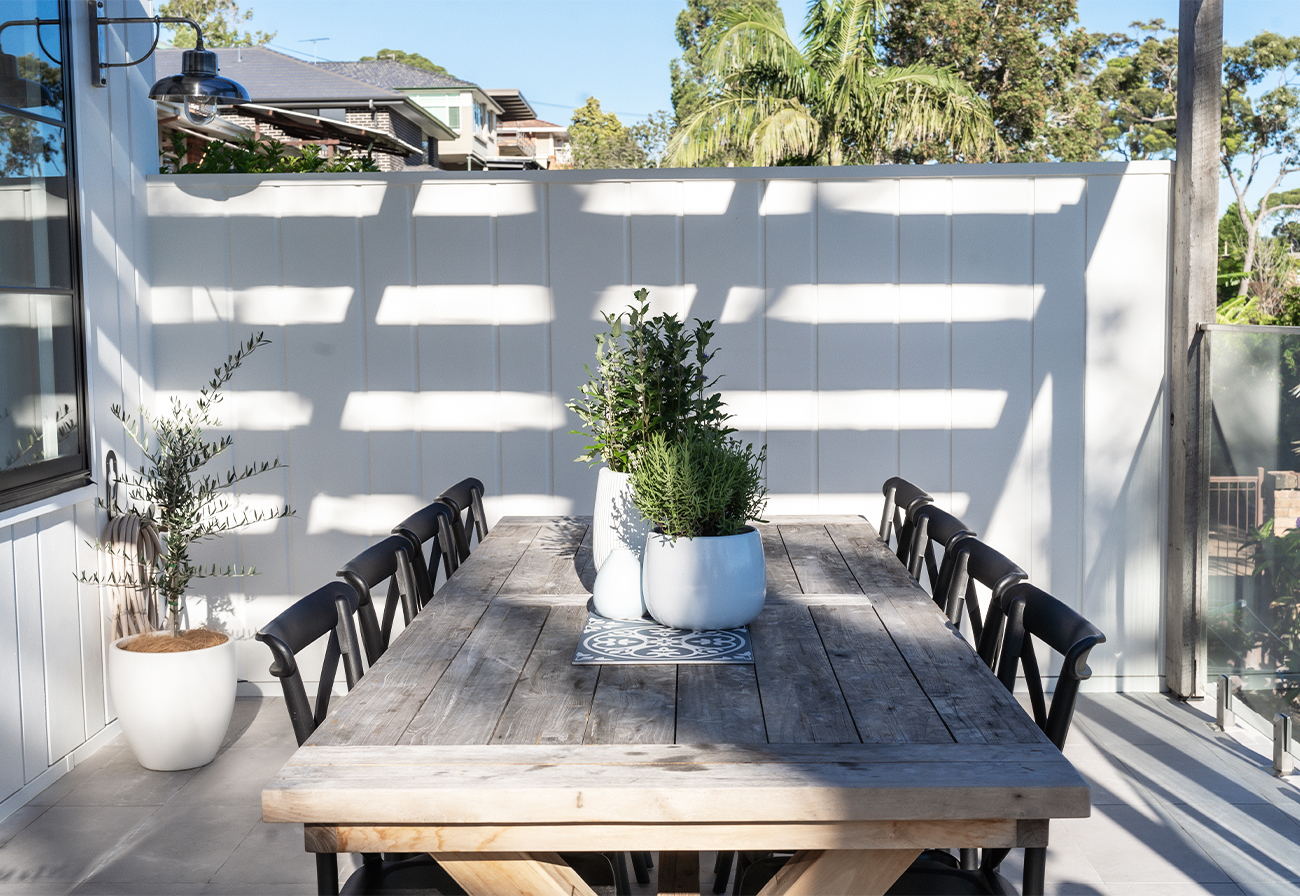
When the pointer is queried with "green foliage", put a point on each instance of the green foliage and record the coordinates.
(696, 28)
(219, 19)
(829, 102)
(1137, 90)
(251, 156)
(1023, 58)
(188, 507)
(699, 482)
(652, 136)
(649, 378)
(600, 140)
(1277, 560)
(412, 59)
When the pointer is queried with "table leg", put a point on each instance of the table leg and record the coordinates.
(679, 874)
(502, 873)
(851, 872)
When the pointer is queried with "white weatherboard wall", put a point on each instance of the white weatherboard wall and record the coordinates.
(994, 333)
(54, 706)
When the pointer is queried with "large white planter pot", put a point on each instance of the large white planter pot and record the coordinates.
(174, 707)
(704, 583)
(615, 520)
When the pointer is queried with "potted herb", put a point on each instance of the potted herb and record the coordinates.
(174, 690)
(649, 378)
(703, 566)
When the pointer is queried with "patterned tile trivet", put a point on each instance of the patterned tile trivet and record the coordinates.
(617, 642)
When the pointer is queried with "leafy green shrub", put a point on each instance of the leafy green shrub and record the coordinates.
(249, 155)
(699, 482)
(649, 378)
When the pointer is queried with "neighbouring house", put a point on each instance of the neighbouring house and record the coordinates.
(297, 102)
(532, 138)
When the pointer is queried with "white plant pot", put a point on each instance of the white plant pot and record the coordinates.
(615, 520)
(174, 708)
(706, 582)
(617, 591)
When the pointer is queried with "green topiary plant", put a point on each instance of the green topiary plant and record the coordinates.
(649, 378)
(173, 497)
(249, 155)
(699, 482)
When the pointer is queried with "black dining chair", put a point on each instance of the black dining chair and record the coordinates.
(387, 561)
(1027, 616)
(974, 562)
(432, 526)
(466, 501)
(328, 612)
(933, 526)
(902, 499)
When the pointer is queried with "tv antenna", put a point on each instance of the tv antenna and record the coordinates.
(313, 41)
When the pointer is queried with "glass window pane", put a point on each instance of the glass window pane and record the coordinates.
(31, 70)
(38, 379)
(33, 206)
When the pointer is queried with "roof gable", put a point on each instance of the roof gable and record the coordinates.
(393, 75)
(271, 77)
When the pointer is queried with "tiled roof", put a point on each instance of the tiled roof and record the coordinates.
(271, 77)
(530, 125)
(393, 75)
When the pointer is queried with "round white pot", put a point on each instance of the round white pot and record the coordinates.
(706, 582)
(615, 520)
(174, 707)
(616, 593)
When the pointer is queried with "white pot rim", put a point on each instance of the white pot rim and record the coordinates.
(120, 641)
(745, 531)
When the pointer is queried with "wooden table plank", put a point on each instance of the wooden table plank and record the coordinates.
(816, 560)
(633, 705)
(492, 561)
(465, 705)
(887, 703)
(381, 707)
(780, 574)
(870, 560)
(547, 565)
(552, 699)
(801, 699)
(718, 704)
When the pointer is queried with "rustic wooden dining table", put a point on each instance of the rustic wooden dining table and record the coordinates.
(865, 730)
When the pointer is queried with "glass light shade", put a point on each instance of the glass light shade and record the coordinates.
(198, 88)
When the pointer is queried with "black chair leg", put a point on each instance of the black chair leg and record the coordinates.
(722, 871)
(970, 859)
(641, 864)
(327, 874)
(1035, 870)
(618, 860)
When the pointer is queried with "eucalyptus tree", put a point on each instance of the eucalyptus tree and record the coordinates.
(830, 101)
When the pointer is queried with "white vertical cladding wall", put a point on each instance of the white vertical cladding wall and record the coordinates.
(995, 333)
(54, 707)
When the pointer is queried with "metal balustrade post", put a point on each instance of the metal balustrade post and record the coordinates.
(1225, 716)
(1282, 761)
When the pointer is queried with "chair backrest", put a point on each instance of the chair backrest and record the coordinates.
(902, 499)
(431, 525)
(326, 611)
(466, 501)
(387, 561)
(931, 527)
(1032, 614)
(974, 562)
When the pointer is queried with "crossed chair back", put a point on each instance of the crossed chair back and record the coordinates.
(433, 526)
(931, 527)
(390, 561)
(974, 562)
(902, 499)
(465, 499)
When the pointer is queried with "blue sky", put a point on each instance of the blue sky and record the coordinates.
(559, 52)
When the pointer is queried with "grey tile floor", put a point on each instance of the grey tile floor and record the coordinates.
(1178, 808)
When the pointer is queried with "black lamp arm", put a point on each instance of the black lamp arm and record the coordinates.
(98, 65)
(39, 39)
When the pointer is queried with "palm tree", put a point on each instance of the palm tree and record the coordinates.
(829, 103)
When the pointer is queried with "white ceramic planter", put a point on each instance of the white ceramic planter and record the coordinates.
(704, 583)
(615, 519)
(617, 591)
(174, 707)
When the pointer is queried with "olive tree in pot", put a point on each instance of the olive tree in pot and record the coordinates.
(649, 378)
(703, 566)
(174, 689)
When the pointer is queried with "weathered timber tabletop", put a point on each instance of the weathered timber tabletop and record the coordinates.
(865, 723)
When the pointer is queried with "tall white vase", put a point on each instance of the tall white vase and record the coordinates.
(616, 521)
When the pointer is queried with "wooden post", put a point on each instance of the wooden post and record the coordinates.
(1195, 244)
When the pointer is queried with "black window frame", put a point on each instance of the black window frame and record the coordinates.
(47, 478)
